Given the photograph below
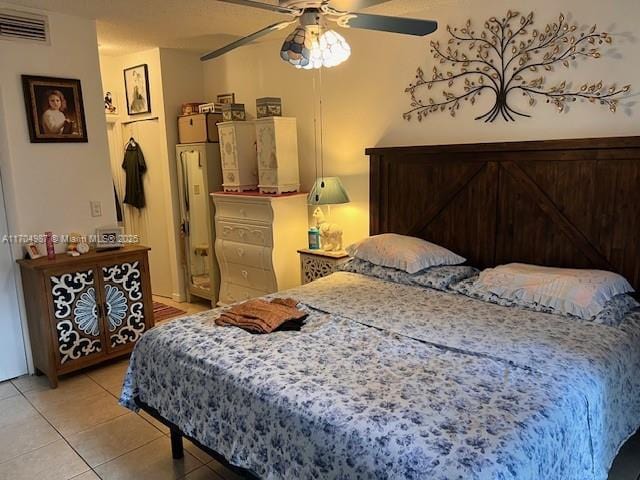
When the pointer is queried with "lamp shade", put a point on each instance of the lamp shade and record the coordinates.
(310, 46)
(331, 193)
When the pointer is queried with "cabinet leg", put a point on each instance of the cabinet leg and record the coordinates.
(53, 380)
(177, 450)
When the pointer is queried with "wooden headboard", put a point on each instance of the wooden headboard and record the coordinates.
(569, 203)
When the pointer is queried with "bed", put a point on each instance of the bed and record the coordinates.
(390, 380)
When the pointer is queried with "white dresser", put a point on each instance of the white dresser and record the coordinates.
(238, 153)
(257, 239)
(277, 146)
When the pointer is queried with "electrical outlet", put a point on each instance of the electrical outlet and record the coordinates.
(96, 208)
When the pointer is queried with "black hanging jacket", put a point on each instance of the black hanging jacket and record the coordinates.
(134, 166)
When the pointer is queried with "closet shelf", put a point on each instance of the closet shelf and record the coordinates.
(139, 120)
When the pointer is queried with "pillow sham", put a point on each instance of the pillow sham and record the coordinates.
(613, 313)
(438, 278)
(401, 252)
(578, 292)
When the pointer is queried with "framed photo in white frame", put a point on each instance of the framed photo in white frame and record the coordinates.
(32, 250)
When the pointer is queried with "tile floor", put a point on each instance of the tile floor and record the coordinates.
(78, 431)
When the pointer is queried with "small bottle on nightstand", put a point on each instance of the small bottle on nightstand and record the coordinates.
(314, 238)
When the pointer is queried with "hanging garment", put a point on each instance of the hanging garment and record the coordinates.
(134, 166)
(118, 207)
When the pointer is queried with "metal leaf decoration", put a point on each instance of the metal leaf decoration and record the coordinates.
(510, 55)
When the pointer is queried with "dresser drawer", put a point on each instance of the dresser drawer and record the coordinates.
(244, 211)
(253, 234)
(251, 277)
(244, 254)
(231, 293)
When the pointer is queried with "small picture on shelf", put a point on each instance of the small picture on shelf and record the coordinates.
(110, 104)
(226, 98)
(32, 251)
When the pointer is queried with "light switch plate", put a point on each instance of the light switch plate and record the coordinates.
(96, 208)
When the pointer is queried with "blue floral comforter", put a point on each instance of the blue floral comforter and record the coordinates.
(390, 381)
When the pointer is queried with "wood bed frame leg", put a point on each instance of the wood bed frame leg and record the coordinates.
(177, 449)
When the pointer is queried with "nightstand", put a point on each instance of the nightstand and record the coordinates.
(316, 264)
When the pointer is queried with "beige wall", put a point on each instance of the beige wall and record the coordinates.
(49, 186)
(364, 98)
(174, 77)
(182, 81)
(151, 223)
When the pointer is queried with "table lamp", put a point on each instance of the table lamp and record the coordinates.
(328, 191)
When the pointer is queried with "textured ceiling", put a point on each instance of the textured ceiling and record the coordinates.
(126, 26)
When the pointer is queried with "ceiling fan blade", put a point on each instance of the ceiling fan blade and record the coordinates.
(407, 26)
(354, 5)
(264, 6)
(248, 39)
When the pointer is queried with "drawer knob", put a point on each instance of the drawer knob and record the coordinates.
(227, 230)
(245, 274)
(240, 252)
(242, 233)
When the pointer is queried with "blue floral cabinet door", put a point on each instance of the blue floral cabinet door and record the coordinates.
(76, 316)
(124, 305)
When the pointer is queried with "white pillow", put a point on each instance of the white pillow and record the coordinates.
(578, 292)
(403, 253)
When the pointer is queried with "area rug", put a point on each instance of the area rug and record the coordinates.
(162, 312)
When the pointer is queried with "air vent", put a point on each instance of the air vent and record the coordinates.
(16, 25)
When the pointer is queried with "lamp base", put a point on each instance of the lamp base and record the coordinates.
(330, 237)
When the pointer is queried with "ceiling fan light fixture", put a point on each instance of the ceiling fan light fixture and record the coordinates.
(310, 46)
(334, 48)
(297, 47)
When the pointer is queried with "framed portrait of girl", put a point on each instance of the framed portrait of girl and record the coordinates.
(55, 112)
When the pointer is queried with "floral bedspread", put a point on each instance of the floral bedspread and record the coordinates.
(390, 381)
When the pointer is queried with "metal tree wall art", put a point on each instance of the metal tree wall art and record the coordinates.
(506, 57)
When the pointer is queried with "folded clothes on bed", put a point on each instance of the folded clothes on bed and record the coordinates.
(261, 316)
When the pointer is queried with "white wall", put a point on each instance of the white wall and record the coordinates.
(13, 361)
(364, 98)
(49, 186)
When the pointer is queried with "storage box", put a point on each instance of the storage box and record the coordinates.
(233, 112)
(198, 128)
(210, 108)
(269, 107)
(277, 151)
(190, 108)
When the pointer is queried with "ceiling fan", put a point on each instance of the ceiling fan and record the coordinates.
(312, 44)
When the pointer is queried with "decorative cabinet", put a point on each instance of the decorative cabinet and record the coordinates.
(257, 237)
(199, 174)
(84, 310)
(316, 264)
(277, 147)
(238, 153)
